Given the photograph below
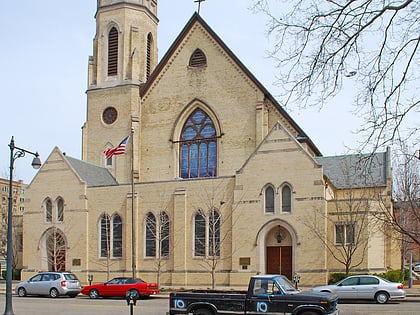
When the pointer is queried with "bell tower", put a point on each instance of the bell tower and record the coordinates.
(124, 55)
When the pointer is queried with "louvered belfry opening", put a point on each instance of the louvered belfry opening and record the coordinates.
(149, 55)
(113, 52)
(198, 59)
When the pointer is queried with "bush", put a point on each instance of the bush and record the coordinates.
(335, 277)
(395, 275)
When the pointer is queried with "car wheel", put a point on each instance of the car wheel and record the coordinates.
(309, 312)
(203, 311)
(381, 297)
(21, 292)
(93, 294)
(54, 293)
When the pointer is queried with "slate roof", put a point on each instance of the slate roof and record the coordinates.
(356, 171)
(92, 174)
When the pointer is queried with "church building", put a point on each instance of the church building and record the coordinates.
(207, 181)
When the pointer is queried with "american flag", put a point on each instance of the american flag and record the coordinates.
(119, 149)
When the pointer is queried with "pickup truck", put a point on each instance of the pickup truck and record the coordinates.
(266, 294)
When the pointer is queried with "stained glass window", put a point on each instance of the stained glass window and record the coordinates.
(198, 146)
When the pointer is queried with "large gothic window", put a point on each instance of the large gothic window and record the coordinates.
(198, 146)
(113, 52)
(56, 249)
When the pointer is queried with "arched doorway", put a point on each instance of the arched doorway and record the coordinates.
(276, 242)
(279, 252)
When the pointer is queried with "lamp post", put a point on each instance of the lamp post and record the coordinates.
(36, 164)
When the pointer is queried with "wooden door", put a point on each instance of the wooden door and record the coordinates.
(279, 260)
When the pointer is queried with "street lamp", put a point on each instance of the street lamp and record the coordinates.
(36, 164)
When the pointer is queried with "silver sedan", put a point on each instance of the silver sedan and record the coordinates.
(365, 287)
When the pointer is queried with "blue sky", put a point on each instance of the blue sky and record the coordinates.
(44, 59)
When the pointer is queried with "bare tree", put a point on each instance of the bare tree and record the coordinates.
(405, 216)
(318, 44)
(158, 240)
(214, 222)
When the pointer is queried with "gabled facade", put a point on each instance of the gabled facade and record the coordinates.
(217, 181)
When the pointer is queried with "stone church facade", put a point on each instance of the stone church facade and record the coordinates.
(217, 182)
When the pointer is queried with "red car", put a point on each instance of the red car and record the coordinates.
(118, 287)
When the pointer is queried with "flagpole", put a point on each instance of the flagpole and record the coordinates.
(133, 233)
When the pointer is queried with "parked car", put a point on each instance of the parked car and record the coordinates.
(416, 267)
(52, 284)
(365, 287)
(118, 287)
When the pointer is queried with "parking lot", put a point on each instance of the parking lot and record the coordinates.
(158, 305)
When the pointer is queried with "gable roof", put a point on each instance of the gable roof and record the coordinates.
(196, 18)
(92, 174)
(357, 170)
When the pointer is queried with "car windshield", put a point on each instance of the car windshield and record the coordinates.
(70, 276)
(285, 284)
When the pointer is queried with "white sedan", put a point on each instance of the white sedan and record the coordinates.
(365, 287)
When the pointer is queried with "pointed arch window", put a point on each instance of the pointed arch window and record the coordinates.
(48, 210)
(157, 235)
(149, 55)
(55, 244)
(207, 234)
(286, 199)
(150, 235)
(198, 146)
(198, 59)
(164, 234)
(113, 52)
(105, 236)
(60, 209)
(269, 199)
(111, 236)
(116, 236)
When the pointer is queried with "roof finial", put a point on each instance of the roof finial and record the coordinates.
(199, 4)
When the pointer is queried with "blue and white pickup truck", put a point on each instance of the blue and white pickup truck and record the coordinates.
(266, 294)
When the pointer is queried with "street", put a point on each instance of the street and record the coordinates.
(158, 305)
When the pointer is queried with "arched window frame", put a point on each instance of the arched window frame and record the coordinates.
(150, 237)
(110, 236)
(60, 209)
(117, 241)
(198, 146)
(164, 234)
(149, 55)
(113, 51)
(269, 198)
(286, 198)
(108, 163)
(207, 241)
(157, 238)
(48, 205)
(198, 59)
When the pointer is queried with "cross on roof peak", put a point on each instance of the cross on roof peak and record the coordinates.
(199, 4)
